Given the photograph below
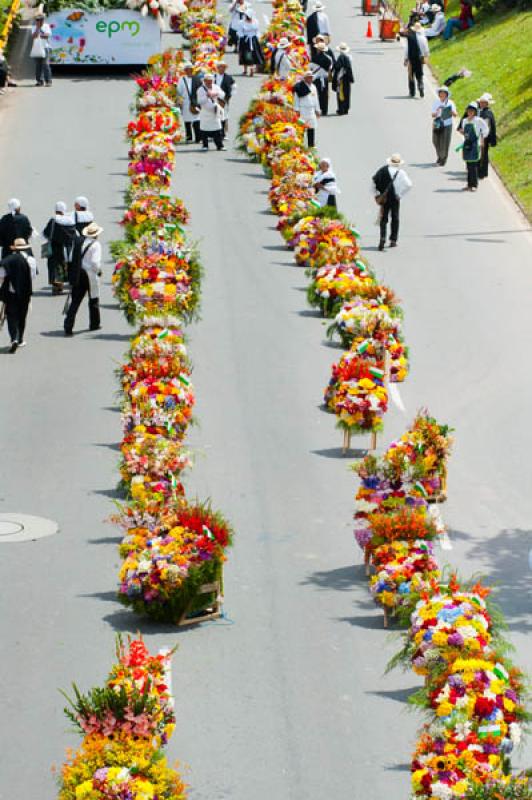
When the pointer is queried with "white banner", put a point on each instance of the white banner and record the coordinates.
(119, 36)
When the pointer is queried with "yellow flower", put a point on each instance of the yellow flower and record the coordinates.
(444, 709)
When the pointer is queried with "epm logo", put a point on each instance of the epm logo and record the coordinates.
(114, 26)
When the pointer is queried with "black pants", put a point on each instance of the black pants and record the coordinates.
(472, 174)
(323, 96)
(16, 313)
(3, 77)
(193, 126)
(78, 293)
(344, 92)
(484, 161)
(311, 137)
(391, 207)
(216, 135)
(43, 72)
(415, 73)
(441, 139)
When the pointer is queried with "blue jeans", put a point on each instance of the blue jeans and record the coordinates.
(453, 23)
(43, 72)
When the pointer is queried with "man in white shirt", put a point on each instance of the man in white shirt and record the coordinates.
(210, 99)
(87, 280)
(41, 33)
(307, 104)
(416, 50)
(391, 183)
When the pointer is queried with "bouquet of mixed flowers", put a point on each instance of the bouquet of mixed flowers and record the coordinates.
(404, 569)
(367, 318)
(150, 124)
(332, 285)
(319, 242)
(162, 405)
(149, 211)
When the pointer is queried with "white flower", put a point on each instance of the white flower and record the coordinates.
(442, 791)
(515, 733)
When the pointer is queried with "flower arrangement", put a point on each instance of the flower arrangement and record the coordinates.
(332, 285)
(125, 723)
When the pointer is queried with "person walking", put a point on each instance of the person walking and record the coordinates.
(443, 111)
(87, 280)
(280, 62)
(306, 103)
(318, 22)
(474, 130)
(82, 213)
(249, 49)
(416, 50)
(490, 140)
(60, 234)
(236, 11)
(325, 185)
(40, 50)
(187, 87)
(226, 83)
(17, 271)
(342, 79)
(321, 65)
(13, 225)
(210, 99)
(391, 183)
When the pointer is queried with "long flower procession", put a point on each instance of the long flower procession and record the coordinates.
(125, 726)
(473, 695)
(173, 549)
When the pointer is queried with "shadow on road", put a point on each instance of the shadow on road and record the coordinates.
(343, 578)
(399, 695)
(106, 540)
(337, 452)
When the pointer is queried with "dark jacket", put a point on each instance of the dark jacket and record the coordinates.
(489, 116)
(18, 275)
(312, 26)
(343, 63)
(13, 226)
(227, 85)
(62, 239)
(383, 182)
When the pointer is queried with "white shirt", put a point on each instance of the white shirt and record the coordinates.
(438, 24)
(331, 187)
(402, 183)
(438, 107)
(247, 30)
(423, 45)
(307, 106)
(323, 23)
(92, 255)
(282, 64)
(211, 114)
(46, 30)
(482, 128)
(184, 90)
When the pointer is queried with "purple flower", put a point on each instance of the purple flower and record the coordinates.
(456, 639)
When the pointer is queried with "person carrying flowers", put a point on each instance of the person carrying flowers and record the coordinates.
(325, 184)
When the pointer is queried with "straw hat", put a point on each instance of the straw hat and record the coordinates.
(444, 89)
(486, 98)
(20, 244)
(343, 48)
(319, 7)
(308, 73)
(321, 46)
(283, 43)
(92, 230)
(395, 160)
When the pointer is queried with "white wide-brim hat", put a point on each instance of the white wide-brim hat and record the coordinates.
(321, 46)
(283, 43)
(444, 89)
(343, 48)
(20, 244)
(92, 230)
(319, 7)
(486, 98)
(435, 7)
(395, 160)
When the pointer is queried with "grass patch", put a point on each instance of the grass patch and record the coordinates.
(497, 51)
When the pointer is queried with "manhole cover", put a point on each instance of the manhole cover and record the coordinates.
(15, 527)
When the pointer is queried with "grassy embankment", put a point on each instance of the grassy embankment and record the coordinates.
(498, 52)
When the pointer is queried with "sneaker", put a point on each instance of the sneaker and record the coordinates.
(22, 343)
(13, 348)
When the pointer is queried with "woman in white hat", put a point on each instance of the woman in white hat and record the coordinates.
(236, 10)
(41, 34)
(86, 280)
(306, 103)
(325, 184)
(82, 213)
(391, 183)
(17, 271)
(318, 22)
(187, 87)
(474, 130)
(416, 50)
(280, 62)
(438, 22)
(249, 49)
(485, 113)
(342, 79)
(443, 111)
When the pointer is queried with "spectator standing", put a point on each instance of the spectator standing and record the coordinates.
(474, 130)
(443, 111)
(490, 140)
(87, 280)
(416, 50)
(17, 271)
(342, 79)
(391, 183)
(306, 103)
(249, 49)
(210, 99)
(40, 50)
(318, 23)
(236, 10)
(462, 22)
(187, 87)
(13, 225)
(227, 84)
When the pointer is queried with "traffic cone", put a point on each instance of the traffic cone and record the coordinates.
(369, 32)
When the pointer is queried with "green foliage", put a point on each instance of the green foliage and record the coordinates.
(102, 700)
(519, 788)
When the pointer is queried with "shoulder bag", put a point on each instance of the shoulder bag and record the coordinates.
(382, 198)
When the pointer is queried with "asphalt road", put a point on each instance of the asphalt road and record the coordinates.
(286, 696)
